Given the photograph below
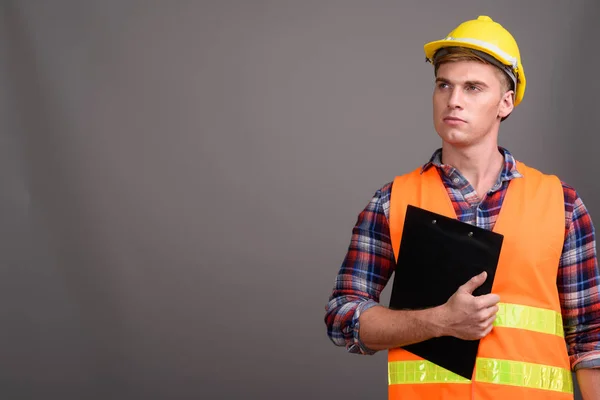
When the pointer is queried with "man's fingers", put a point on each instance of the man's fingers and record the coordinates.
(487, 300)
(474, 282)
(488, 313)
(491, 319)
(489, 329)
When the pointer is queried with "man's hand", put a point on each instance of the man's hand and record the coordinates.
(470, 317)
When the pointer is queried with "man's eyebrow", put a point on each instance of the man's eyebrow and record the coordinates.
(441, 79)
(476, 83)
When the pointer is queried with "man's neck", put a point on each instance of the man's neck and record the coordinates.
(480, 164)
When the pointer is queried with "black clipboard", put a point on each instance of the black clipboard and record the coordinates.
(437, 255)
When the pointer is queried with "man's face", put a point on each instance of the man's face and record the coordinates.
(468, 101)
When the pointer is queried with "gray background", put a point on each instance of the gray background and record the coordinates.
(180, 179)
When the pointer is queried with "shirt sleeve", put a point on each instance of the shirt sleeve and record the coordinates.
(364, 273)
(578, 284)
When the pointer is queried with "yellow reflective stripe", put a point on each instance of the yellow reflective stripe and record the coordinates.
(529, 318)
(517, 373)
(487, 370)
(420, 372)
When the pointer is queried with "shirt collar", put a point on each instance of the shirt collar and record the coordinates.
(508, 172)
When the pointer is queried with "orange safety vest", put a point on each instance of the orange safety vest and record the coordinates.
(525, 355)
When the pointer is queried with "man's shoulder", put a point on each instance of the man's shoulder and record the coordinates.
(386, 190)
(569, 191)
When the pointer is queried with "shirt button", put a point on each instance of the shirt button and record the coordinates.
(455, 180)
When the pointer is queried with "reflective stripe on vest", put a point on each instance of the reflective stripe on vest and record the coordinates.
(487, 370)
(529, 318)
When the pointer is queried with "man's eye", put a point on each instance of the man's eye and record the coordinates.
(473, 87)
(442, 85)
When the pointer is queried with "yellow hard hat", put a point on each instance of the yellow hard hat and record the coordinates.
(487, 37)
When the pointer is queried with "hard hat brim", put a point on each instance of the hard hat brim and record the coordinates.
(432, 47)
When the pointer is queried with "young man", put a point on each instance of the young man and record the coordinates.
(542, 319)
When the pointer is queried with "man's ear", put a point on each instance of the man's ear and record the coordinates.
(507, 104)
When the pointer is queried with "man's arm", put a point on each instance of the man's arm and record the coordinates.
(463, 316)
(578, 284)
(363, 275)
(354, 317)
(589, 383)
(382, 328)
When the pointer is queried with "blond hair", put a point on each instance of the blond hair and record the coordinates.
(455, 54)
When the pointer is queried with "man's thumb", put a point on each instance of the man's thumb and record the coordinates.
(474, 282)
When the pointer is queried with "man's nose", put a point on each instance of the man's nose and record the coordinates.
(455, 99)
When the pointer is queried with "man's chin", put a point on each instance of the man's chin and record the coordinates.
(454, 137)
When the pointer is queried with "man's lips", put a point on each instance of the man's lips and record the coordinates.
(454, 119)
